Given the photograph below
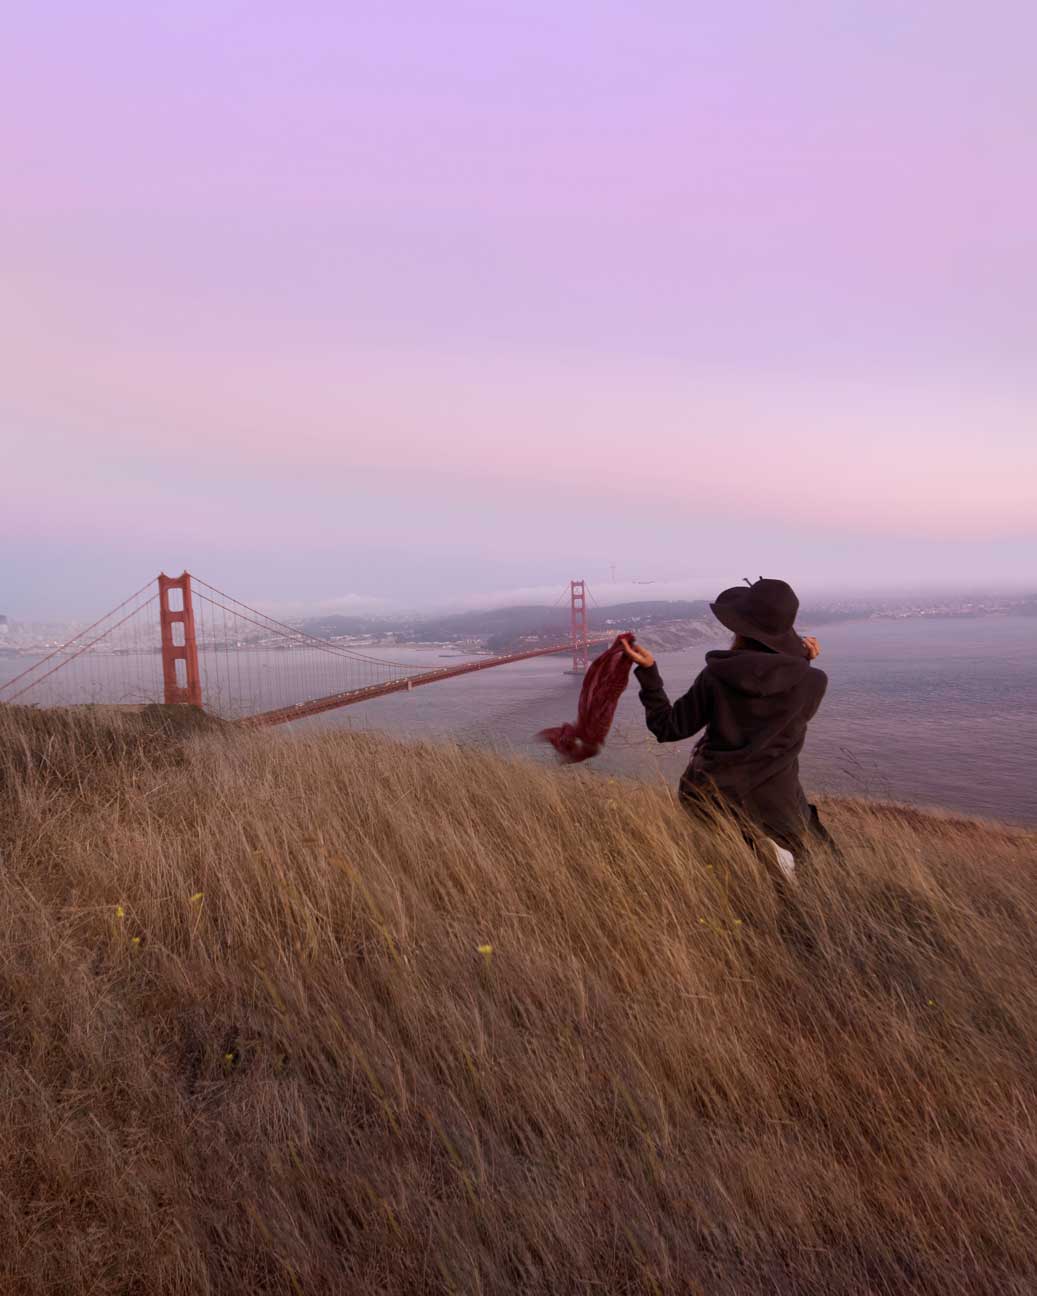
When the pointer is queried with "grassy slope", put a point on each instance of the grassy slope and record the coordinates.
(666, 1077)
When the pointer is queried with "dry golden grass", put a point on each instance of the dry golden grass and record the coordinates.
(342, 1015)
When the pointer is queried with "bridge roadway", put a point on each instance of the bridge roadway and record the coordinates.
(316, 706)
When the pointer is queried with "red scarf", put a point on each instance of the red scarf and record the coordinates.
(603, 686)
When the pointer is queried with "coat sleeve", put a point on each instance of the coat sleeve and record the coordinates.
(820, 682)
(671, 722)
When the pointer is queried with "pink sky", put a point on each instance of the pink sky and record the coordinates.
(436, 301)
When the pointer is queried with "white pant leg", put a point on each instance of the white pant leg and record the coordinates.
(786, 860)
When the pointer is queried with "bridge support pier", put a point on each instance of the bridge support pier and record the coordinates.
(188, 690)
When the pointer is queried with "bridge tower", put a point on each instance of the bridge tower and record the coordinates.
(578, 626)
(178, 647)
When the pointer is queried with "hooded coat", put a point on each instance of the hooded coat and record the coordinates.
(754, 707)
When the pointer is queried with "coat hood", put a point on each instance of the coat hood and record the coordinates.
(760, 674)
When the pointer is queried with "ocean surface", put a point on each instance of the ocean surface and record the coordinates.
(938, 712)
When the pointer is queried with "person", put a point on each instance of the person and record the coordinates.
(754, 702)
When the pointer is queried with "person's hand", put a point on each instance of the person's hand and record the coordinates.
(812, 647)
(641, 655)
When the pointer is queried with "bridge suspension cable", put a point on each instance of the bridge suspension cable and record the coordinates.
(250, 662)
(263, 619)
(120, 664)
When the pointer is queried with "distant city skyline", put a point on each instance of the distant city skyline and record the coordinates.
(424, 305)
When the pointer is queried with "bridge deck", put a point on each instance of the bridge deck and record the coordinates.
(316, 706)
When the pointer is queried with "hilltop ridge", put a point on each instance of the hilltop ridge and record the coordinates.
(503, 629)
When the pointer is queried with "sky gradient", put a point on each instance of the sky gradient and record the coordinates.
(408, 304)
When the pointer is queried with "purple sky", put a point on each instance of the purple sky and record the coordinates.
(415, 302)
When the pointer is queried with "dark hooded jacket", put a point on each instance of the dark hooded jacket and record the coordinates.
(754, 707)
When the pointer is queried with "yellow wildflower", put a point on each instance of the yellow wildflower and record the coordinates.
(120, 912)
(197, 897)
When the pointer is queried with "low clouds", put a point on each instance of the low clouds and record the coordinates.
(340, 605)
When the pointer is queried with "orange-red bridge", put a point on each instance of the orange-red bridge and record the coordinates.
(181, 641)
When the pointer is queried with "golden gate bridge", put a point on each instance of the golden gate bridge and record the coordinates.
(182, 642)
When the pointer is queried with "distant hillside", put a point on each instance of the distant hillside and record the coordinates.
(504, 629)
(506, 625)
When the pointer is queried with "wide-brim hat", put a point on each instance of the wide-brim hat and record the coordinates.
(765, 611)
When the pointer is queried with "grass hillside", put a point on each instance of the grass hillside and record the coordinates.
(342, 1015)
